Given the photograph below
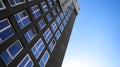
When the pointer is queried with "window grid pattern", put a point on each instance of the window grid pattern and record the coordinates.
(6, 30)
(44, 59)
(2, 6)
(26, 62)
(38, 48)
(11, 52)
(47, 35)
(30, 35)
(52, 45)
(35, 11)
(22, 19)
(44, 6)
(15, 2)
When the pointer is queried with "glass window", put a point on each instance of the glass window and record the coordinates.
(44, 59)
(47, 35)
(53, 26)
(64, 22)
(6, 30)
(38, 48)
(49, 17)
(61, 27)
(2, 6)
(22, 19)
(35, 11)
(41, 24)
(15, 2)
(54, 12)
(9, 54)
(26, 62)
(58, 8)
(66, 18)
(30, 35)
(44, 6)
(58, 21)
(50, 3)
(52, 45)
(57, 35)
(61, 15)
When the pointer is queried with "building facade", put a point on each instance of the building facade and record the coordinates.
(35, 33)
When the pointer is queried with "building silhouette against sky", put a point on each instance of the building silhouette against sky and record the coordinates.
(35, 33)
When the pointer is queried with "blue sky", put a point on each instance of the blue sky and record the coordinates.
(95, 39)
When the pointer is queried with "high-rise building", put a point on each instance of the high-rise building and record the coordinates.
(35, 33)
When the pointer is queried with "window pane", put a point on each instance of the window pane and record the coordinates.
(44, 59)
(38, 48)
(57, 35)
(53, 26)
(49, 17)
(50, 3)
(61, 27)
(58, 21)
(15, 49)
(6, 30)
(2, 6)
(41, 24)
(64, 22)
(15, 2)
(54, 12)
(5, 57)
(47, 35)
(30, 35)
(35, 11)
(26, 62)
(44, 6)
(22, 19)
(61, 15)
(52, 45)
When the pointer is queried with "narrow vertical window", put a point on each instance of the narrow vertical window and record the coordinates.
(53, 27)
(41, 24)
(52, 45)
(57, 35)
(44, 6)
(49, 17)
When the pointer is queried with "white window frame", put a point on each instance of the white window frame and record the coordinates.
(3, 5)
(16, 3)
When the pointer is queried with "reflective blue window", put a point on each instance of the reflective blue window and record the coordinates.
(41, 24)
(54, 12)
(50, 3)
(26, 62)
(49, 17)
(53, 26)
(58, 8)
(52, 45)
(64, 13)
(57, 35)
(35, 11)
(6, 31)
(66, 18)
(44, 6)
(22, 19)
(38, 48)
(47, 35)
(61, 27)
(2, 6)
(61, 15)
(15, 2)
(64, 22)
(44, 59)
(9, 54)
(30, 35)
(58, 21)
